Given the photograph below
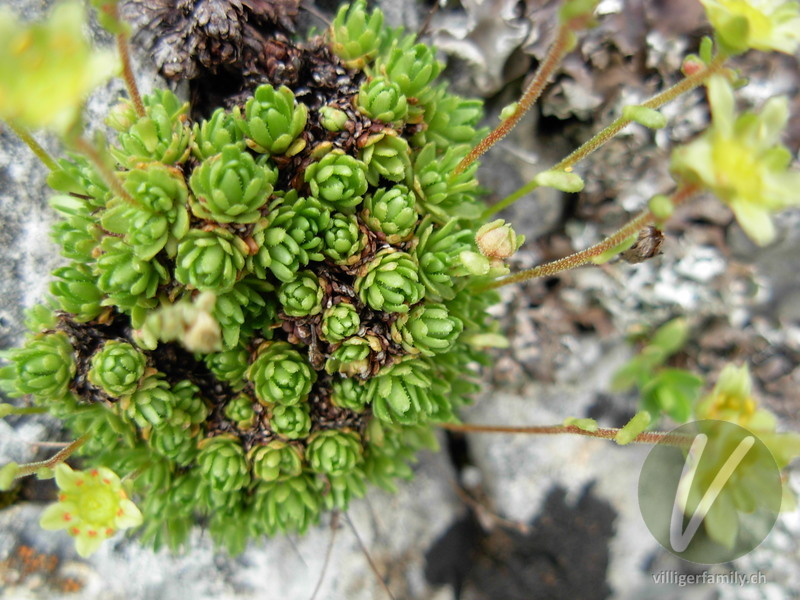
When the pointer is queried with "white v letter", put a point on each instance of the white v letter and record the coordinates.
(680, 540)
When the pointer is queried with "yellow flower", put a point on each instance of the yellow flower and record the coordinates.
(732, 400)
(741, 161)
(92, 506)
(47, 69)
(758, 24)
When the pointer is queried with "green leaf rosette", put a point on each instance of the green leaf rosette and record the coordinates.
(162, 135)
(349, 393)
(129, 282)
(210, 260)
(382, 100)
(390, 282)
(340, 321)
(334, 452)
(229, 366)
(412, 67)
(391, 212)
(77, 292)
(44, 367)
(355, 35)
(240, 410)
(405, 393)
(352, 357)
(117, 368)
(387, 156)
(338, 179)
(151, 404)
(344, 239)
(276, 461)
(280, 374)
(211, 135)
(230, 187)
(289, 506)
(301, 297)
(190, 408)
(222, 463)
(291, 422)
(272, 121)
(427, 329)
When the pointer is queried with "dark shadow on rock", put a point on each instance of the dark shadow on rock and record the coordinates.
(564, 554)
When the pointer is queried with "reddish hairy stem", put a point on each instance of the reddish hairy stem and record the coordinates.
(127, 74)
(601, 137)
(57, 458)
(110, 177)
(554, 56)
(578, 259)
(607, 433)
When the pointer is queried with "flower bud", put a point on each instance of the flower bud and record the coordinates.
(497, 240)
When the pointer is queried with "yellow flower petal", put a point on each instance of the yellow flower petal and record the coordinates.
(128, 515)
(57, 516)
(87, 545)
(756, 222)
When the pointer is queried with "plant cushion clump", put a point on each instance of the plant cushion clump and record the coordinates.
(282, 306)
